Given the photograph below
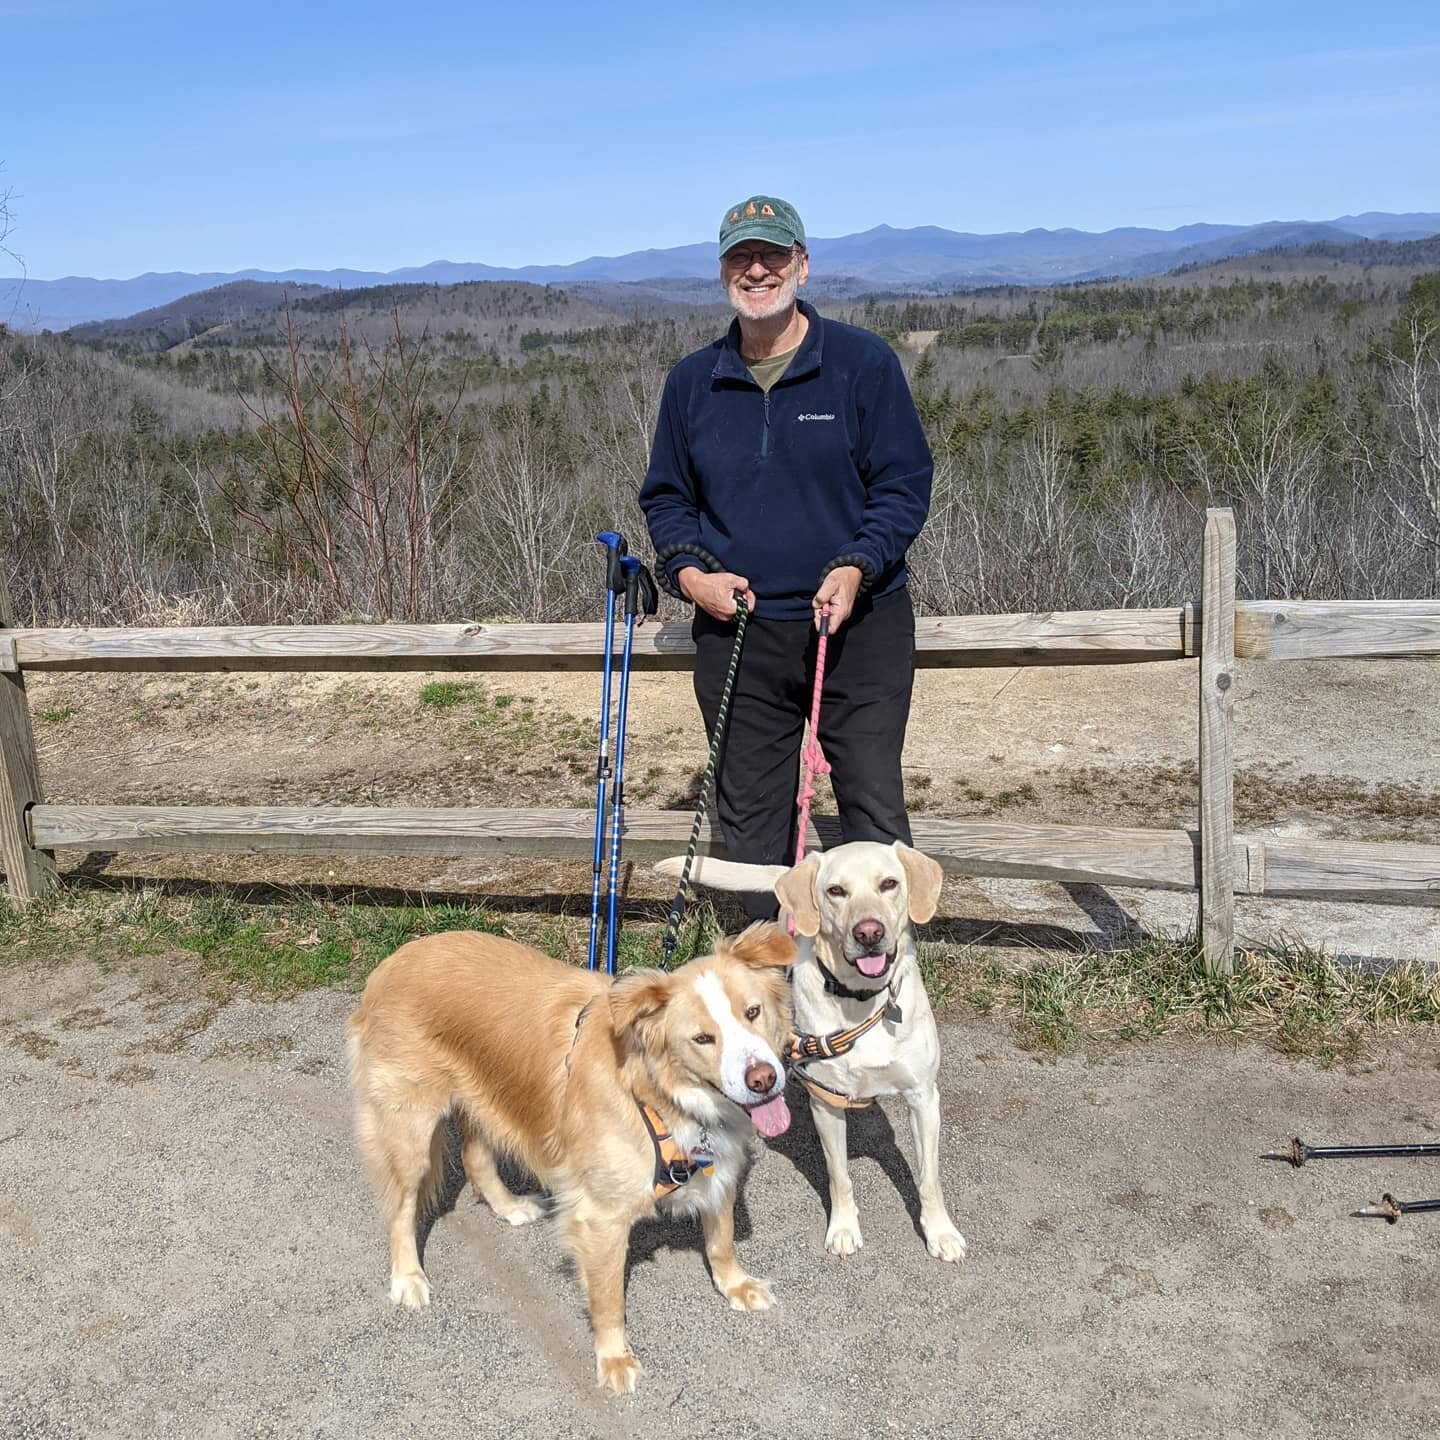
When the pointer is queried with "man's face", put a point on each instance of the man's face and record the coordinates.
(762, 280)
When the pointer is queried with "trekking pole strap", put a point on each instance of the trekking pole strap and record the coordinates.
(671, 937)
(642, 598)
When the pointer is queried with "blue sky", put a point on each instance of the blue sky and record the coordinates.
(159, 135)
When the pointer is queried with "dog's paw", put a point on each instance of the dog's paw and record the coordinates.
(618, 1373)
(524, 1210)
(945, 1242)
(844, 1237)
(750, 1294)
(412, 1290)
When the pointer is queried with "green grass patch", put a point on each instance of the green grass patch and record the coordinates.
(508, 721)
(1298, 1000)
(1295, 998)
(55, 714)
(275, 949)
(446, 694)
(279, 949)
(284, 949)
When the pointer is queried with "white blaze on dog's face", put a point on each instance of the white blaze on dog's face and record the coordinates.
(751, 1072)
(717, 1027)
(863, 895)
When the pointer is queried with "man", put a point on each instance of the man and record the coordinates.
(789, 466)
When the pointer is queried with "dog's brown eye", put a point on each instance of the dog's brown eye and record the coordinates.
(836, 891)
(703, 1038)
(753, 1013)
(889, 883)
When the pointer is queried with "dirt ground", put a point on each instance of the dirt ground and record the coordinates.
(192, 1251)
(1324, 750)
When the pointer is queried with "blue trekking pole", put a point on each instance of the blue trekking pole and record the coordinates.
(640, 592)
(614, 585)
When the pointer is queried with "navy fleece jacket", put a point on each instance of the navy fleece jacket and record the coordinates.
(830, 468)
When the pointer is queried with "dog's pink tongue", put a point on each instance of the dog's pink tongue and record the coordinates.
(872, 965)
(772, 1118)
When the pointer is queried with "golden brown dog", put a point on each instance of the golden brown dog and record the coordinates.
(557, 1067)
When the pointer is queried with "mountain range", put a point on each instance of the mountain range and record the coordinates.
(882, 258)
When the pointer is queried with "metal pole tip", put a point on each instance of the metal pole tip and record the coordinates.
(1387, 1210)
(1295, 1155)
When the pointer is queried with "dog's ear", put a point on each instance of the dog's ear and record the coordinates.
(923, 878)
(796, 889)
(763, 944)
(638, 1001)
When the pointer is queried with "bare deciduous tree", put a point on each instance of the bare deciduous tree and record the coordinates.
(525, 515)
(1269, 470)
(1414, 461)
(353, 477)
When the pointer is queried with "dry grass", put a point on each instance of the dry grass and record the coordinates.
(1298, 1000)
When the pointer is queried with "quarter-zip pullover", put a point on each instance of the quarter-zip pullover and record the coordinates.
(829, 467)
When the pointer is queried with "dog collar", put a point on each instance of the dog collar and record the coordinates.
(835, 986)
(891, 1010)
(674, 1169)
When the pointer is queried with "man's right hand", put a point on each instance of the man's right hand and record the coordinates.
(715, 594)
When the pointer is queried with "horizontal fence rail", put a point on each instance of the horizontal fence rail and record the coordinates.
(1059, 638)
(1146, 859)
(1337, 629)
(1264, 630)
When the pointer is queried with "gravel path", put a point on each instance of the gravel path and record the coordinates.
(192, 1252)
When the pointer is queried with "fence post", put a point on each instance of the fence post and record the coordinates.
(1217, 760)
(28, 872)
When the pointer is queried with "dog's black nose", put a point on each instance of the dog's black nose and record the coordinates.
(869, 932)
(760, 1078)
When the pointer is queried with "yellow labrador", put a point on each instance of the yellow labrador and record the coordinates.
(864, 1023)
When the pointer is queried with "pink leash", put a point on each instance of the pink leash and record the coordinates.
(814, 756)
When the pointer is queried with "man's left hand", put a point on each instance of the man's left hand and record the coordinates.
(837, 590)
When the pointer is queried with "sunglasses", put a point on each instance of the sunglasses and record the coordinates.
(772, 258)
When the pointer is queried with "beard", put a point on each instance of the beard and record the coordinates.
(764, 304)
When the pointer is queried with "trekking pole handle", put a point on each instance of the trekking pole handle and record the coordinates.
(642, 598)
(630, 574)
(615, 551)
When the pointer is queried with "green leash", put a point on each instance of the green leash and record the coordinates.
(672, 927)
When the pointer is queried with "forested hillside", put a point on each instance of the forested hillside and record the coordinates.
(444, 452)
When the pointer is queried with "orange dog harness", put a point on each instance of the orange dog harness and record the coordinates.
(674, 1169)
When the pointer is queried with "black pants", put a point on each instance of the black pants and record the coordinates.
(869, 672)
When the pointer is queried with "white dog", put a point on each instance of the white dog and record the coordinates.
(864, 1023)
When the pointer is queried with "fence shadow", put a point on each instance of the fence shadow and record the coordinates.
(1113, 925)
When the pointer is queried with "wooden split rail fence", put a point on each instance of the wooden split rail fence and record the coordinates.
(1211, 859)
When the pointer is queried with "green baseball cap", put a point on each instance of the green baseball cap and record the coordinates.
(761, 217)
